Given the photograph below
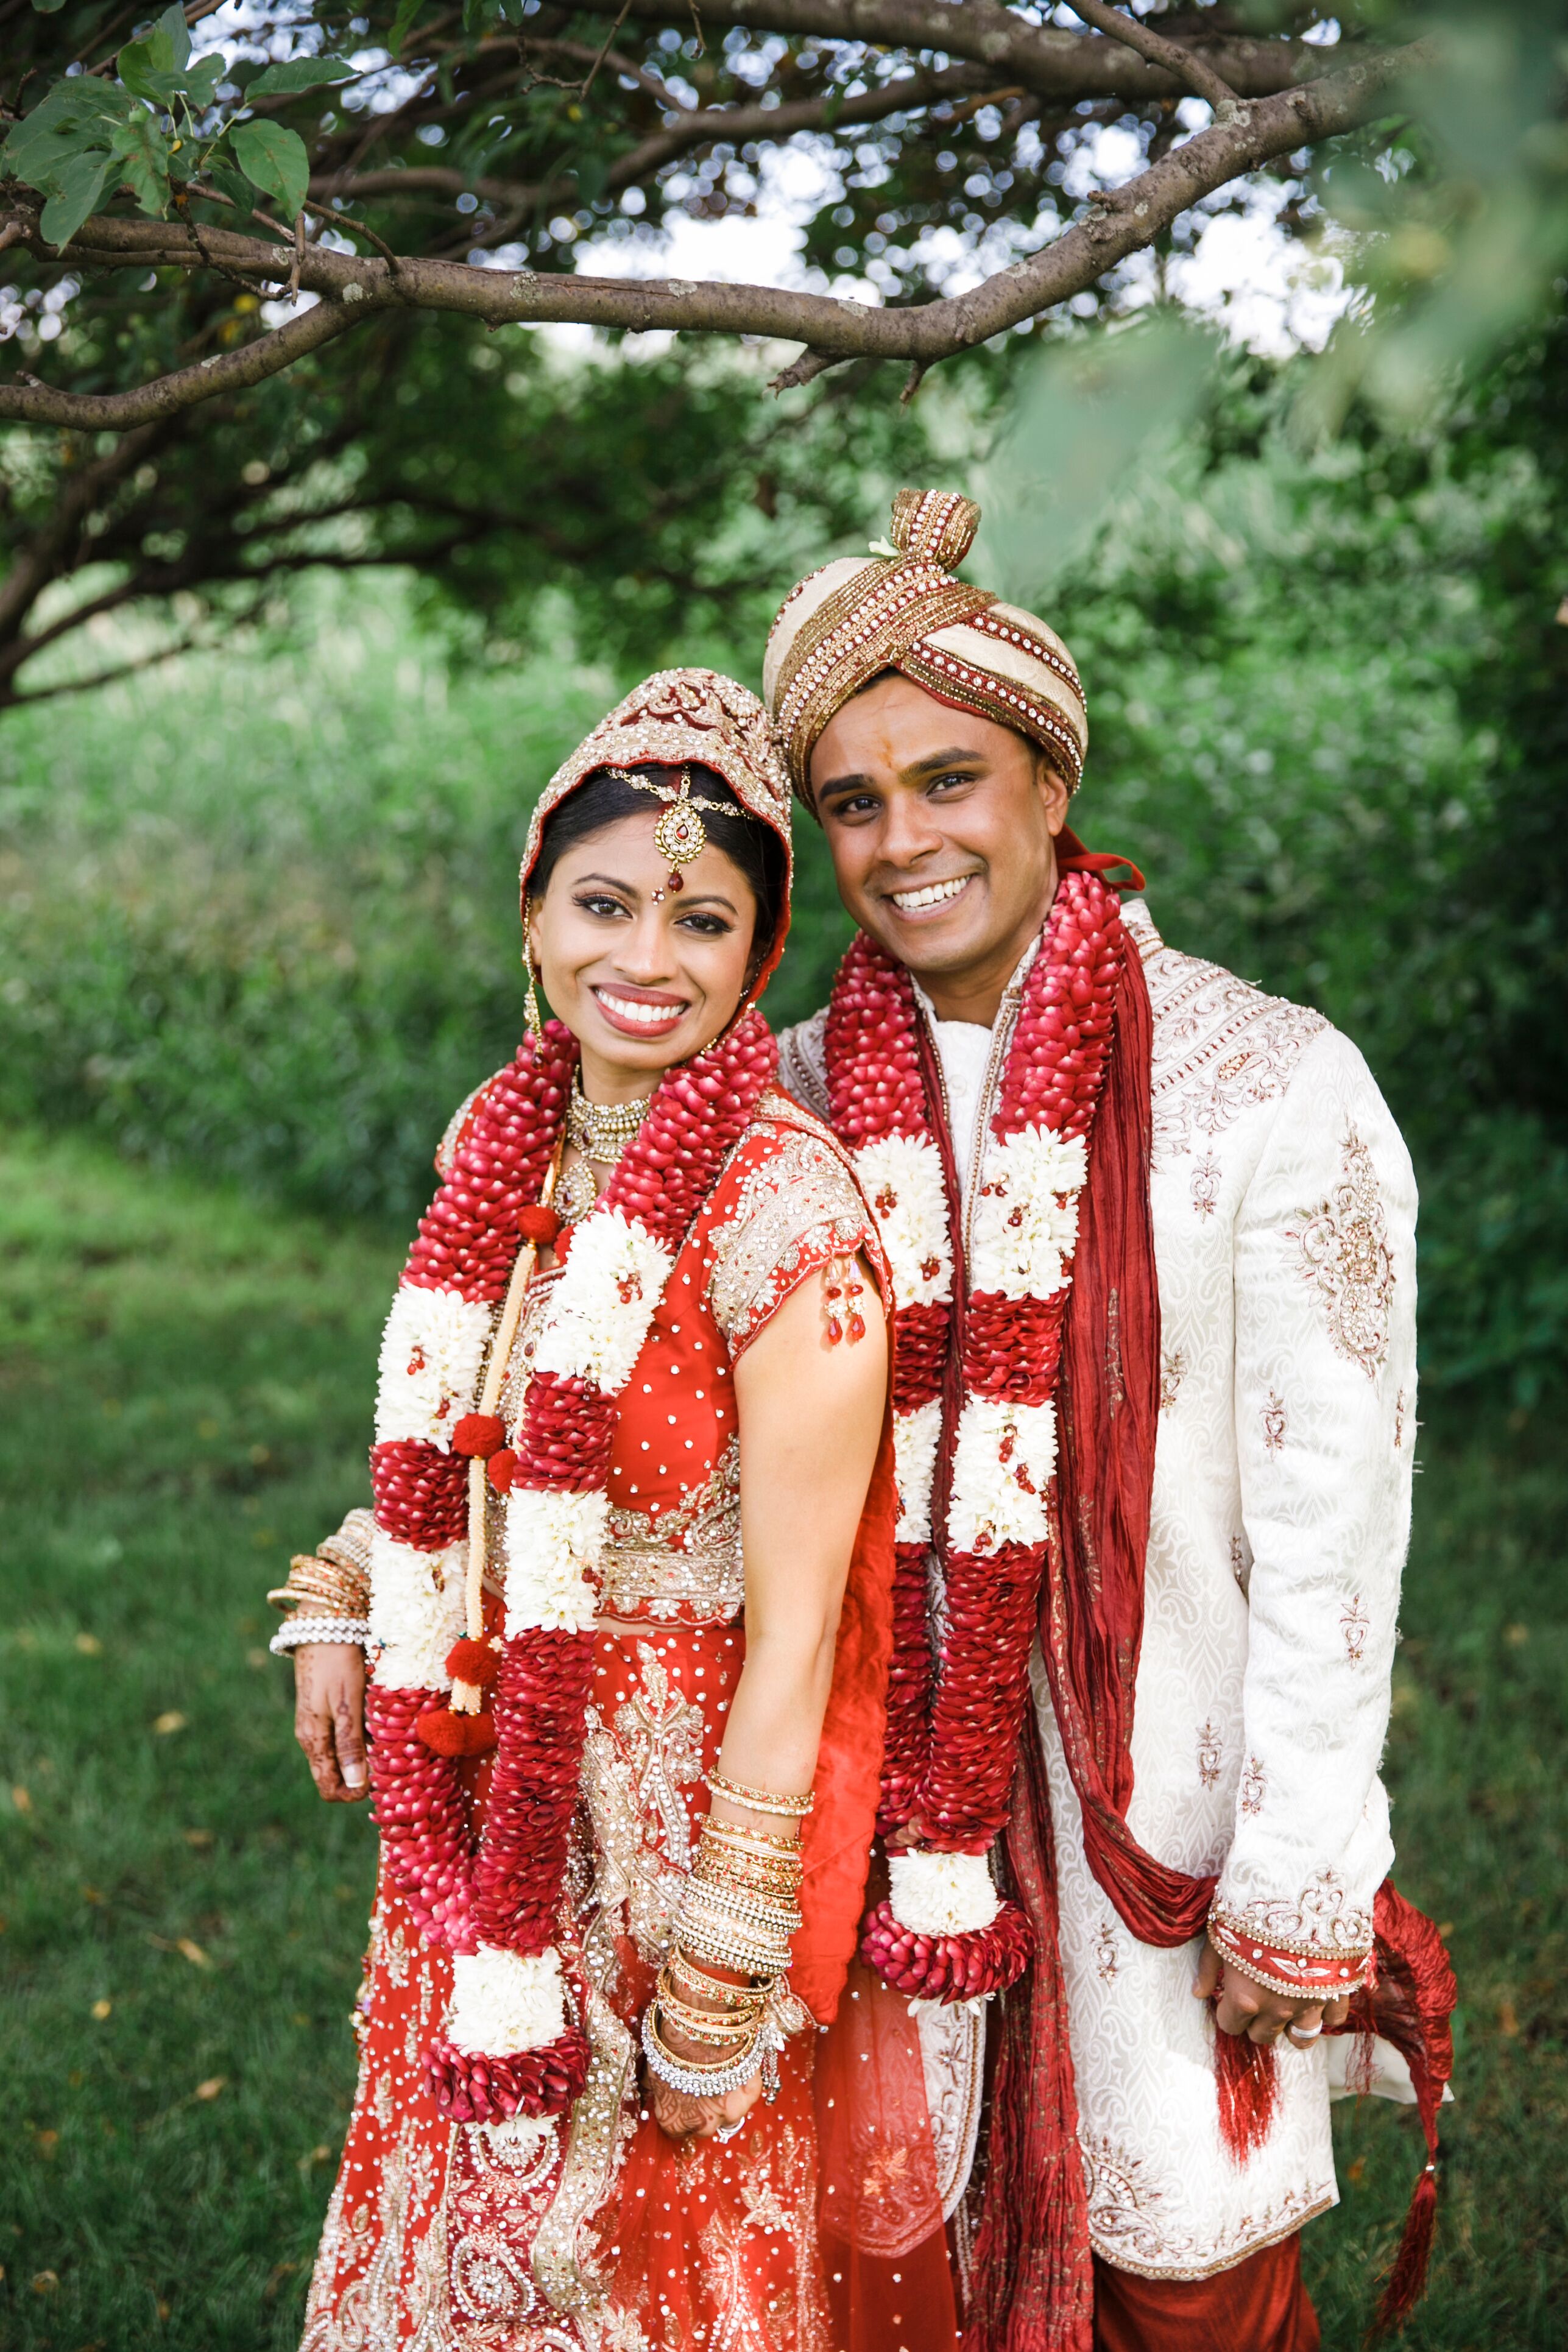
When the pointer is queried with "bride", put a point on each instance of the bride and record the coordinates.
(625, 1597)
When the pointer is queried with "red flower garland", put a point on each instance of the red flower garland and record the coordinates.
(504, 1890)
(953, 1732)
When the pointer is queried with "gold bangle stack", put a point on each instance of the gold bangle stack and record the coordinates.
(741, 1905)
(740, 1909)
(334, 1581)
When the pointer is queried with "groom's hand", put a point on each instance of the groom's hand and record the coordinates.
(1243, 2007)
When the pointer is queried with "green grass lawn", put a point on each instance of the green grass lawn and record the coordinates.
(185, 1384)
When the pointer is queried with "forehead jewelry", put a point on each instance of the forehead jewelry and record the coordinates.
(680, 836)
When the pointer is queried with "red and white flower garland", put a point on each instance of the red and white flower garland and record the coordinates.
(953, 1729)
(511, 2044)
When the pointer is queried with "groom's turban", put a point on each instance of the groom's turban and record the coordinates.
(903, 610)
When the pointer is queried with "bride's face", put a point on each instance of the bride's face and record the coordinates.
(643, 976)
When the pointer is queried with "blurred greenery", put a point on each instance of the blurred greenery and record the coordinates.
(185, 1379)
(258, 914)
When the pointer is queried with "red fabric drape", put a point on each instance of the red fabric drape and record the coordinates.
(838, 1830)
(1258, 2306)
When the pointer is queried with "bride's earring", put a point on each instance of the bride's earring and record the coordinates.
(531, 1002)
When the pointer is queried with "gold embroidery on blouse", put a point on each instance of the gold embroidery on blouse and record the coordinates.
(800, 1207)
(687, 1557)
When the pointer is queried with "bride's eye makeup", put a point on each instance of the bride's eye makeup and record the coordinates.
(706, 926)
(599, 902)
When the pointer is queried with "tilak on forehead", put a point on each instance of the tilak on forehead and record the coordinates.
(904, 611)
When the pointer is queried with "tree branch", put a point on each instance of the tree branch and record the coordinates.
(830, 328)
(1064, 65)
(1200, 79)
(115, 412)
(679, 136)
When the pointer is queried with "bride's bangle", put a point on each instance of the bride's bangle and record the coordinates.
(706, 2082)
(297, 1631)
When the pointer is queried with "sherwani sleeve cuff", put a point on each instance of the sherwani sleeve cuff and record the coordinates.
(1299, 1970)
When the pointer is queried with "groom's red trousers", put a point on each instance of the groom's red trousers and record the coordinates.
(1259, 2305)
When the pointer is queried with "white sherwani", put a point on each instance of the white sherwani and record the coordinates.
(1284, 1214)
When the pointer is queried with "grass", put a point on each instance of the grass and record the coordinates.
(184, 1391)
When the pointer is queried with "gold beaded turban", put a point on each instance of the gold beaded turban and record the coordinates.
(847, 623)
(676, 716)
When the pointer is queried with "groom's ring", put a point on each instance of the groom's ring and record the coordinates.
(1303, 2036)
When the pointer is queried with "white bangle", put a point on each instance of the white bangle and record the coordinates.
(297, 1631)
(710, 2082)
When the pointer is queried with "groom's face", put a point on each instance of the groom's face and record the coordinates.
(941, 826)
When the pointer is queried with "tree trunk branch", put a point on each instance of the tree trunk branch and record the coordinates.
(1200, 79)
(830, 328)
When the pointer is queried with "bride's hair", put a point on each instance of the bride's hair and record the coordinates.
(604, 798)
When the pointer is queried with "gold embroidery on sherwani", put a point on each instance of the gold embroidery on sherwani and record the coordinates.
(1345, 1256)
(687, 1557)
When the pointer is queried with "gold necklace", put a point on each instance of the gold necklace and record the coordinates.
(599, 1132)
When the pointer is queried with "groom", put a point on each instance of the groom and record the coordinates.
(1196, 1833)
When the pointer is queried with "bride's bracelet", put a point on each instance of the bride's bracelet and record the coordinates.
(297, 1631)
(759, 1801)
(708, 2082)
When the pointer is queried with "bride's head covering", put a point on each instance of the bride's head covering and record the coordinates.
(903, 610)
(680, 720)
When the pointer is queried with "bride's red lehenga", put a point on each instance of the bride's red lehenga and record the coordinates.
(592, 2229)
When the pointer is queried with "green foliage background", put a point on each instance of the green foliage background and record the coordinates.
(258, 914)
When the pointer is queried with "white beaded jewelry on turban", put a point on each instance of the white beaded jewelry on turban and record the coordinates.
(904, 611)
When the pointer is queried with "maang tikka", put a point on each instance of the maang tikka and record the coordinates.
(680, 834)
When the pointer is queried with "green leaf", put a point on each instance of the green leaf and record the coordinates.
(79, 189)
(48, 7)
(230, 183)
(141, 75)
(74, 118)
(143, 154)
(299, 73)
(202, 79)
(273, 159)
(170, 40)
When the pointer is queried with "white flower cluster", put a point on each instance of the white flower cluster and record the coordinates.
(916, 1436)
(1025, 1225)
(1002, 1466)
(430, 1356)
(415, 1611)
(901, 1177)
(603, 1302)
(554, 1543)
(506, 2001)
(943, 1893)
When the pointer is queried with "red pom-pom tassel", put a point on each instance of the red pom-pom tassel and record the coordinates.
(456, 1735)
(501, 1469)
(473, 1662)
(479, 1435)
(538, 1226)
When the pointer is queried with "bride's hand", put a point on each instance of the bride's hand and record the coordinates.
(329, 1718)
(682, 2118)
